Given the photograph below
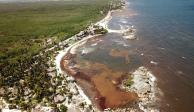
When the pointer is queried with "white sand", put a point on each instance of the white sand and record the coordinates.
(72, 49)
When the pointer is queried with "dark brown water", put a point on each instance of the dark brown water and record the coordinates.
(102, 63)
(165, 29)
(164, 44)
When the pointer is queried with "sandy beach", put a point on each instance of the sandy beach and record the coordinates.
(140, 78)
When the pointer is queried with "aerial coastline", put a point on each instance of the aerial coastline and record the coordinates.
(74, 97)
(139, 85)
(96, 56)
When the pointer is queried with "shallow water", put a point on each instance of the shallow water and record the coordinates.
(103, 62)
(164, 44)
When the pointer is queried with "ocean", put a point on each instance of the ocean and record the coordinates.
(165, 29)
(164, 44)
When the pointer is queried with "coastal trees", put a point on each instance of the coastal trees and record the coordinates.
(63, 108)
(24, 79)
(128, 82)
(24, 62)
(99, 30)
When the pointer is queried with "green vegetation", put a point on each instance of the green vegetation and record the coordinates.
(26, 30)
(128, 82)
(82, 105)
(21, 83)
(100, 30)
(26, 27)
(63, 108)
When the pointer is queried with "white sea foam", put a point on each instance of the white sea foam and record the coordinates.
(144, 84)
(124, 21)
(154, 63)
(87, 50)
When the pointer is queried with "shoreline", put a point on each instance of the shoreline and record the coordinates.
(78, 96)
(62, 53)
(142, 103)
(144, 84)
